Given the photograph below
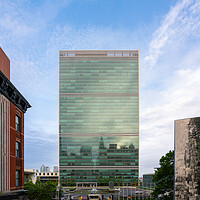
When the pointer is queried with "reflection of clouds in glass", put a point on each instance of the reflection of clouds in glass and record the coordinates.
(132, 140)
(100, 115)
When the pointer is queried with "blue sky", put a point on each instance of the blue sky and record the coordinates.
(166, 32)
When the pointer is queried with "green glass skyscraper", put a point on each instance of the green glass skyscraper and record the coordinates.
(98, 115)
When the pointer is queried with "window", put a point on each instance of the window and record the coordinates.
(17, 121)
(17, 178)
(17, 149)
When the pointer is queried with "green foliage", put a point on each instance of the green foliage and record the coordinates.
(135, 181)
(99, 181)
(118, 181)
(40, 191)
(104, 181)
(164, 178)
(68, 182)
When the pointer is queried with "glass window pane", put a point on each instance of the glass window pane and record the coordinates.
(17, 121)
(17, 178)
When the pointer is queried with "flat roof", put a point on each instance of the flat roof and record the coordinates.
(99, 53)
(186, 118)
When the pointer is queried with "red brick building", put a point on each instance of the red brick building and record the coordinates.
(12, 108)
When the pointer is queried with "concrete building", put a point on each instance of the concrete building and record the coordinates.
(43, 168)
(55, 168)
(12, 108)
(48, 169)
(187, 158)
(98, 115)
(47, 176)
(29, 174)
(42, 176)
(147, 181)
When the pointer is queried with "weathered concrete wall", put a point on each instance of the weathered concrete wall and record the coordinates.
(187, 159)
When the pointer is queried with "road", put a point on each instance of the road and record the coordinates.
(124, 192)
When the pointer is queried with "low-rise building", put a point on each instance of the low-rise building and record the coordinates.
(47, 176)
(29, 174)
(148, 181)
(42, 176)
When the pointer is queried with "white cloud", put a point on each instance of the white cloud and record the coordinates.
(174, 55)
(19, 21)
(91, 37)
(182, 20)
(180, 100)
(169, 90)
(13, 21)
(40, 81)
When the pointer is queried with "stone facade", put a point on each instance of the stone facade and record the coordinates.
(187, 159)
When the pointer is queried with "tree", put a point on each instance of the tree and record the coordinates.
(164, 178)
(104, 180)
(99, 181)
(134, 182)
(118, 181)
(122, 180)
(70, 181)
(39, 190)
(114, 180)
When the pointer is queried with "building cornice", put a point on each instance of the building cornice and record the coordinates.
(11, 93)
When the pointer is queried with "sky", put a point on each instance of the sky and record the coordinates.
(166, 33)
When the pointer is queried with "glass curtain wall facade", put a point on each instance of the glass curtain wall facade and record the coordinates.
(98, 115)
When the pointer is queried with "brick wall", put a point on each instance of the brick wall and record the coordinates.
(16, 163)
(4, 64)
